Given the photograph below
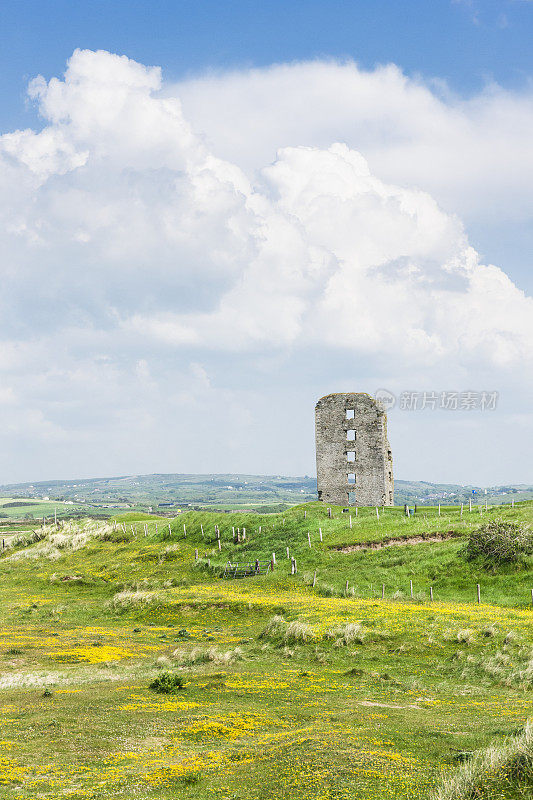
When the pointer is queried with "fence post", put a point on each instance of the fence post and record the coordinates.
(288, 556)
(346, 588)
(478, 592)
(411, 588)
(383, 591)
(219, 545)
(309, 538)
(314, 581)
(439, 509)
(356, 511)
(273, 560)
(320, 533)
(350, 520)
(431, 593)
(196, 554)
(377, 513)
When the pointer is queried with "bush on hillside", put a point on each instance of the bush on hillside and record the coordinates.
(167, 683)
(500, 542)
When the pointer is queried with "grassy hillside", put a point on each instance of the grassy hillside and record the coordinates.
(290, 691)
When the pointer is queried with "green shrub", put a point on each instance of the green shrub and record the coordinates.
(167, 683)
(499, 542)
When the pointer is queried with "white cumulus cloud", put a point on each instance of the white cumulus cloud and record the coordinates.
(135, 248)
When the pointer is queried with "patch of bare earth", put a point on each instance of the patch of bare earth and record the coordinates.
(420, 539)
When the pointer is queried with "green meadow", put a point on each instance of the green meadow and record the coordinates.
(342, 679)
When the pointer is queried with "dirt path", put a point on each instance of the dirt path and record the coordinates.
(434, 537)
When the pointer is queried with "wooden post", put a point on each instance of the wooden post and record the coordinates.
(431, 593)
(184, 531)
(407, 511)
(309, 538)
(329, 513)
(439, 509)
(461, 509)
(169, 530)
(243, 534)
(356, 511)
(411, 588)
(320, 533)
(288, 556)
(292, 566)
(273, 559)
(383, 591)
(219, 545)
(260, 529)
(346, 588)
(478, 592)
(314, 581)
(202, 530)
(350, 520)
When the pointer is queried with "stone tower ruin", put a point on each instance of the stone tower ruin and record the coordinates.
(353, 455)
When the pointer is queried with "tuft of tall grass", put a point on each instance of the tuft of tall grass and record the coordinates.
(289, 632)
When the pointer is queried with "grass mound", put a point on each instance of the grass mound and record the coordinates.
(502, 771)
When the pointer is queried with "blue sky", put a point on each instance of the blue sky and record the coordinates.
(214, 213)
(464, 43)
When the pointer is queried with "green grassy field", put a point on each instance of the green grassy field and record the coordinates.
(291, 691)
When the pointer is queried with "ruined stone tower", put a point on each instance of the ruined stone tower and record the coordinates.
(353, 455)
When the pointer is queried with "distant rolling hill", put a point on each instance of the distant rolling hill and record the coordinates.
(165, 493)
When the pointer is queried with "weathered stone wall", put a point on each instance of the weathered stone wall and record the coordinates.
(353, 444)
